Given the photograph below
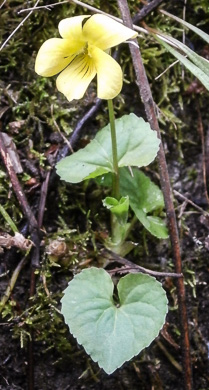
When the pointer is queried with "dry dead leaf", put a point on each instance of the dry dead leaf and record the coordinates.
(7, 241)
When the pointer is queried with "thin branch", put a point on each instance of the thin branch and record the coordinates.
(16, 185)
(169, 67)
(169, 356)
(32, 222)
(74, 137)
(2, 4)
(190, 202)
(12, 282)
(42, 202)
(47, 7)
(59, 131)
(17, 28)
(131, 266)
(146, 10)
(202, 137)
(207, 155)
(87, 6)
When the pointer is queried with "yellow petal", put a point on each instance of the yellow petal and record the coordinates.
(75, 79)
(71, 28)
(54, 55)
(109, 74)
(104, 32)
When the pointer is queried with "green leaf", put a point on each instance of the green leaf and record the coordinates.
(154, 225)
(144, 197)
(201, 62)
(142, 192)
(199, 32)
(137, 145)
(196, 70)
(113, 334)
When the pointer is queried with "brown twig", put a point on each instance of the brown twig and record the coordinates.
(192, 203)
(84, 5)
(35, 237)
(147, 99)
(138, 268)
(131, 266)
(33, 225)
(207, 154)
(17, 28)
(146, 10)
(46, 7)
(59, 130)
(16, 186)
(42, 202)
(202, 137)
(2, 4)
(169, 356)
(74, 137)
(12, 282)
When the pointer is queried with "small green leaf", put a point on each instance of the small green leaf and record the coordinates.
(141, 190)
(118, 208)
(114, 334)
(137, 145)
(144, 197)
(154, 225)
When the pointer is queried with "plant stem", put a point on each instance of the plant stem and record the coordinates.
(115, 185)
(115, 176)
(132, 223)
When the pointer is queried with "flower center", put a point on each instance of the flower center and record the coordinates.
(84, 50)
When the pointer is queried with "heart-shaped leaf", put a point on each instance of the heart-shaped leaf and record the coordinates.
(112, 334)
(137, 145)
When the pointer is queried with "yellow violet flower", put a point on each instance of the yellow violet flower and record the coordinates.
(81, 54)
